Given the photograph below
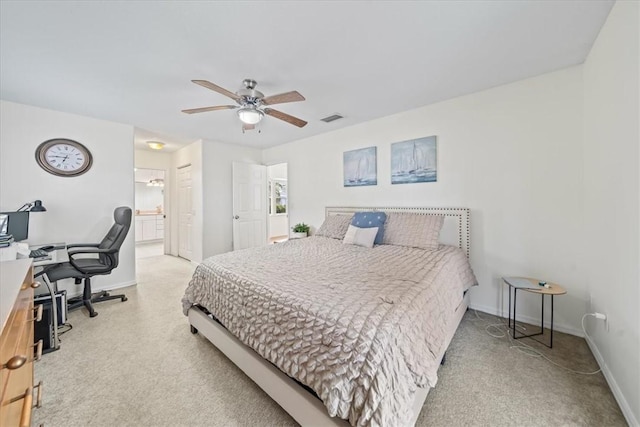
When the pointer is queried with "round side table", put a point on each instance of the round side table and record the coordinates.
(532, 285)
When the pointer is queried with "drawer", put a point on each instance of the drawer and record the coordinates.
(19, 381)
(17, 340)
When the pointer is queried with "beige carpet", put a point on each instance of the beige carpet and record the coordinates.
(137, 364)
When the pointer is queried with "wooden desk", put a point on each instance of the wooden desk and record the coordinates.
(16, 343)
(533, 286)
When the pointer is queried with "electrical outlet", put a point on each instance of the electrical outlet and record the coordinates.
(604, 318)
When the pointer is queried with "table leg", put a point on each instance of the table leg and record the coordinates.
(551, 338)
(509, 289)
(542, 315)
(514, 311)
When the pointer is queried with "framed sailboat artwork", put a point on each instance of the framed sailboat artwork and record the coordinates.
(360, 167)
(414, 160)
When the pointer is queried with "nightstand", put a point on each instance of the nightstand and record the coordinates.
(533, 286)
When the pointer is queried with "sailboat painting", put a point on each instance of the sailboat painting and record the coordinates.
(360, 167)
(414, 161)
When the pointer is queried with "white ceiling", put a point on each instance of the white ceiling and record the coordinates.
(132, 62)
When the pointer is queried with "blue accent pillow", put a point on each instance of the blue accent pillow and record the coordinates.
(371, 219)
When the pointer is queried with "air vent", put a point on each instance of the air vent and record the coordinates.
(332, 118)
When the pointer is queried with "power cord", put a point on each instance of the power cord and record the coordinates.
(527, 349)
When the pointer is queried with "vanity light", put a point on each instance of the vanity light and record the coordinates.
(155, 183)
(155, 145)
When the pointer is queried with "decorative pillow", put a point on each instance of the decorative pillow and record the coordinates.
(334, 226)
(413, 230)
(371, 220)
(360, 236)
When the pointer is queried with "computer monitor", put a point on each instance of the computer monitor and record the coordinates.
(16, 224)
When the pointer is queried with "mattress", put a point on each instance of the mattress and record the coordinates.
(363, 328)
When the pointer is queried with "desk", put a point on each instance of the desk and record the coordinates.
(57, 256)
(16, 343)
(532, 285)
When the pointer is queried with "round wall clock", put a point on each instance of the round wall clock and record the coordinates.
(63, 157)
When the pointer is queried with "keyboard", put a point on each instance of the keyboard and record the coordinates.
(38, 253)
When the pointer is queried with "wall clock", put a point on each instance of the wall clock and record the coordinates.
(64, 157)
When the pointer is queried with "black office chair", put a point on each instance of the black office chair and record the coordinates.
(84, 268)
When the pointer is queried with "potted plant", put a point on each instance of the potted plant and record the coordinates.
(300, 230)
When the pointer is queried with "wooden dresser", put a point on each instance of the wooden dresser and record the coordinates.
(17, 351)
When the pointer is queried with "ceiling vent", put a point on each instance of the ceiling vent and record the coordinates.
(332, 118)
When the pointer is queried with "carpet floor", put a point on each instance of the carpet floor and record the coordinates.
(137, 364)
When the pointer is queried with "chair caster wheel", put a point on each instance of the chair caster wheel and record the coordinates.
(123, 299)
(93, 314)
(193, 330)
(106, 294)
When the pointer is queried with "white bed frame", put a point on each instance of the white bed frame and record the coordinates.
(303, 406)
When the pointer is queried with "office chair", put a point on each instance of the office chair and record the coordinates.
(85, 268)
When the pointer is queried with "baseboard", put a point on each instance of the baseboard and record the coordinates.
(116, 286)
(613, 385)
(531, 320)
(78, 290)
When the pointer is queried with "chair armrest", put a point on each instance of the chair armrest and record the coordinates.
(83, 245)
(85, 250)
(108, 252)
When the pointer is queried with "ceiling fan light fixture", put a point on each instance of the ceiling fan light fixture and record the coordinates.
(250, 115)
(155, 145)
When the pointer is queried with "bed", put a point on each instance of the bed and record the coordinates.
(337, 333)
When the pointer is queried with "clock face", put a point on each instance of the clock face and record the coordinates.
(63, 157)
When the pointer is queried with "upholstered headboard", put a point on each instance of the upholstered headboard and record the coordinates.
(455, 231)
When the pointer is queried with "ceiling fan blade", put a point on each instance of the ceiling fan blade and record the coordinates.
(281, 98)
(205, 109)
(217, 88)
(285, 117)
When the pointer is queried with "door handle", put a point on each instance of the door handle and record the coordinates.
(236, 217)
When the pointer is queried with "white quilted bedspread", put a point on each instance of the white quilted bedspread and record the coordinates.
(361, 327)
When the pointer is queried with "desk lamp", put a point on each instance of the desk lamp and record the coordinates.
(35, 206)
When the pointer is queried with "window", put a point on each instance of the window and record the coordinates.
(277, 197)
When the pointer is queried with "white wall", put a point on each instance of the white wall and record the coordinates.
(153, 160)
(277, 171)
(217, 178)
(612, 199)
(79, 209)
(278, 225)
(512, 154)
(149, 198)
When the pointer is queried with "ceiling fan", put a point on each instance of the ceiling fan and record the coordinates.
(251, 104)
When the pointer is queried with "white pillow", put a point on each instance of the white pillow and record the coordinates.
(360, 236)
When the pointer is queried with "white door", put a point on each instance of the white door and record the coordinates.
(185, 213)
(249, 205)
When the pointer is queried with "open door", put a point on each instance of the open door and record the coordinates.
(185, 213)
(249, 205)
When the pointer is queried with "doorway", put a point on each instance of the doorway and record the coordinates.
(278, 193)
(149, 212)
